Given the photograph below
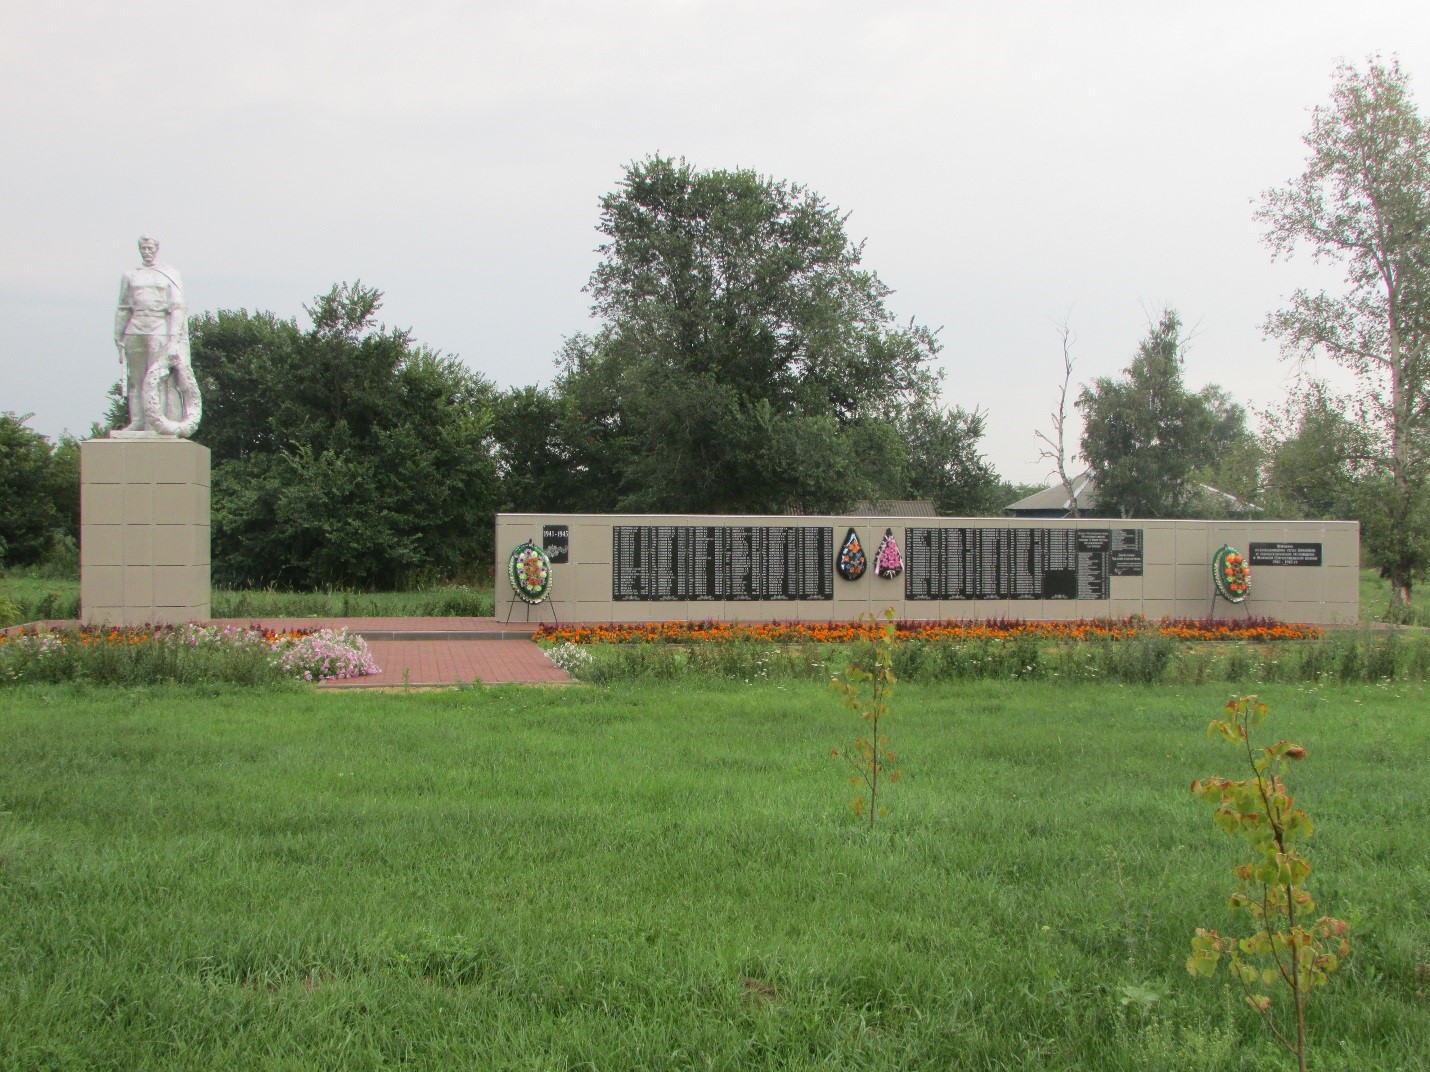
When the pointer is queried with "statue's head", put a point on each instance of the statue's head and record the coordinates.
(148, 249)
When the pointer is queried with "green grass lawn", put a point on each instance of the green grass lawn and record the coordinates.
(667, 877)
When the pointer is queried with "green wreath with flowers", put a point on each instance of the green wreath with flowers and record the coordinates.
(1231, 574)
(529, 570)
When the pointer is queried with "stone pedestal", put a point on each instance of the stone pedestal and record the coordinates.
(144, 531)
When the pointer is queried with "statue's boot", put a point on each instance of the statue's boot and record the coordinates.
(136, 413)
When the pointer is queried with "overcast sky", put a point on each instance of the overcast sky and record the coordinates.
(1010, 165)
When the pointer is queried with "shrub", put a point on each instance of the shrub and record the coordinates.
(570, 658)
(184, 655)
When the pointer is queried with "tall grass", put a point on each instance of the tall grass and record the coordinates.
(1345, 656)
(1375, 604)
(456, 600)
(666, 877)
(32, 597)
(26, 597)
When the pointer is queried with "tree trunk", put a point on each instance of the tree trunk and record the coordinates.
(1400, 510)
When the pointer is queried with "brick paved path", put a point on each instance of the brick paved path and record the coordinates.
(453, 662)
(436, 651)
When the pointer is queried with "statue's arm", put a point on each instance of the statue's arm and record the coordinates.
(177, 316)
(122, 311)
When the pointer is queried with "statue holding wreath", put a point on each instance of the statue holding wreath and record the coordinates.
(151, 332)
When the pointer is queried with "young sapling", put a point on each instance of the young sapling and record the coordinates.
(1283, 952)
(869, 757)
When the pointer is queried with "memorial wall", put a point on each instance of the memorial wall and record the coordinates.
(622, 568)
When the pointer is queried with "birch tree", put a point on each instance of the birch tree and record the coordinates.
(1363, 203)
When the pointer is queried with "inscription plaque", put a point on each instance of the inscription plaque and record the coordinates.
(1125, 552)
(718, 562)
(1092, 552)
(556, 542)
(1285, 554)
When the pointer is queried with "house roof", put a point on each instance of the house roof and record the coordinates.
(894, 508)
(1056, 497)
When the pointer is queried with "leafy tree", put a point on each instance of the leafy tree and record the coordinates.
(1234, 473)
(36, 503)
(591, 405)
(1363, 202)
(747, 362)
(943, 464)
(1145, 436)
(535, 460)
(64, 493)
(245, 364)
(116, 415)
(1323, 463)
(1317, 460)
(345, 455)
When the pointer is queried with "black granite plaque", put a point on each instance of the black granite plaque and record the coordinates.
(781, 563)
(1004, 563)
(1092, 568)
(662, 578)
(1285, 554)
(556, 542)
(1090, 540)
(923, 564)
(740, 552)
(1092, 575)
(628, 561)
(708, 562)
(1024, 548)
(986, 579)
(1059, 563)
(698, 573)
(1125, 552)
(816, 579)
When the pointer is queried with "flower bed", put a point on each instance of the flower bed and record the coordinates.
(183, 654)
(1257, 629)
(1133, 653)
(323, 654)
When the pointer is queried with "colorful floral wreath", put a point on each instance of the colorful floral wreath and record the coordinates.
(888, 563)
(1231, 574)
(530, 572)
(852, 560)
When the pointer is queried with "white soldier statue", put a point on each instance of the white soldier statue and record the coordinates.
(151, 330)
